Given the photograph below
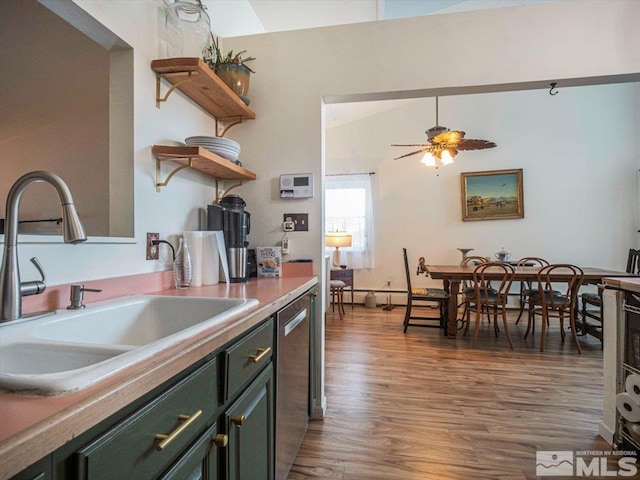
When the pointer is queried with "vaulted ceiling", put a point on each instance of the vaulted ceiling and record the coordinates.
(231, 18)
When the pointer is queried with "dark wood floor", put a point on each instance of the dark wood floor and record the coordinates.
(422, 406)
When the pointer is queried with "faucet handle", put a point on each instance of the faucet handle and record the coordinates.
(77, 296)
(34, 287)
(36, 263)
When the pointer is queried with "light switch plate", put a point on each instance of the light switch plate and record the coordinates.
(300, 221)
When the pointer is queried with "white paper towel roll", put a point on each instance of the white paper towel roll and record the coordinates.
(195, 244)
(632, 385)
(627, 407)
(210, 259)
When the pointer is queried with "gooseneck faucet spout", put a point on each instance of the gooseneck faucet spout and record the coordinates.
(11, 289)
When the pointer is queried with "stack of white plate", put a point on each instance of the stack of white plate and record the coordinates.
(220, 146)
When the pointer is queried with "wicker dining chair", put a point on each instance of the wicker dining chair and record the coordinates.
(492, 299)
(547, 303)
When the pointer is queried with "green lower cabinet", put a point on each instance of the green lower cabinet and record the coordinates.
(38, 471)
(250, 427)
(200, 461)
(146, 443)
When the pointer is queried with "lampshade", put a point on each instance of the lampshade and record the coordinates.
(337, 239)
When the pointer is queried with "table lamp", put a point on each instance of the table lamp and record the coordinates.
(337, 239)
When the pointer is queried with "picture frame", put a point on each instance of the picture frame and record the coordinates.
(492, 195)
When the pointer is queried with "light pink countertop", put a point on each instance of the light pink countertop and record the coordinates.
(34, 426)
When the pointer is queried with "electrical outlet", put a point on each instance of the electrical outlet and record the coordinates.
(152, 250)
(300, 221)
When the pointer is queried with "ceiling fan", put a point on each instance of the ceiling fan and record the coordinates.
(443, 145)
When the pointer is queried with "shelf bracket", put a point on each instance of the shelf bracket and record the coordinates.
(159, 77)
(238, 121)
(160, 184)
(220, 196)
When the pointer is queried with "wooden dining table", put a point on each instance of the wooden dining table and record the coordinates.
(454, 275)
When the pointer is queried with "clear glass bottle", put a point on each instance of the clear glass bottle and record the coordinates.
(188, 29)
(182, 266)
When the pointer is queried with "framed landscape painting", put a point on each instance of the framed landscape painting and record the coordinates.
(492, 195)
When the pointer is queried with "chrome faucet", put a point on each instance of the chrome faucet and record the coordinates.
(11, 289)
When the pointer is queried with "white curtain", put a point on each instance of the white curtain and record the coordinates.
(349, 208)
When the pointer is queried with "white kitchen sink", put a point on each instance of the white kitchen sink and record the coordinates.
(34, 359)
(138, 321)
(74, 349)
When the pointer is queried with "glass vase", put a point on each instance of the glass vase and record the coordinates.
(188, 29)
(182, 266)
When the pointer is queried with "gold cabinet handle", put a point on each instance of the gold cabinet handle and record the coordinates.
(221, 440)
(238, 420)
(261, 353)
(164, 440)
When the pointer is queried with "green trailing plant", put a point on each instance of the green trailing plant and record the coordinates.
(213, 56)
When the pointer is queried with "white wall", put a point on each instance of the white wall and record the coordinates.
(580, 188)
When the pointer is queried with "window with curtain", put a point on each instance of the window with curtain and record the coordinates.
(349, 208)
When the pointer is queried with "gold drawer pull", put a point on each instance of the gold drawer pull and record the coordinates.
(238, 420)
(221, 440)
(261, 353)
(165, 440)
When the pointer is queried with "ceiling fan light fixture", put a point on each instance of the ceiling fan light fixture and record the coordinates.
(445, 157)
(429, 160)
(443, 144)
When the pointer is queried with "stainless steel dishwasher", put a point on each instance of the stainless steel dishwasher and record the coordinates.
(292, 381)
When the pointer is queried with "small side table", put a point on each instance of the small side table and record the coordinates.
(346, 275)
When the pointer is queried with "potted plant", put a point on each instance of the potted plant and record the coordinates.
(231, 68)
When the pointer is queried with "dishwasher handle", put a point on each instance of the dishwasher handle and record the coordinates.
(295, 321)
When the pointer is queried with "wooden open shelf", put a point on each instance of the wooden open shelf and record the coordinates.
(193, 77)
(199, 159)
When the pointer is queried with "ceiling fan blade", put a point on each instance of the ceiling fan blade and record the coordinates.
(475, 144)
(452, 137)
(412, 145)
(413, 153)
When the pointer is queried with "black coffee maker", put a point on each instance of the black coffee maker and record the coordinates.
(229, 216)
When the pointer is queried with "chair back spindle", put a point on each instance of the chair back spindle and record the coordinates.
(633, 261)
